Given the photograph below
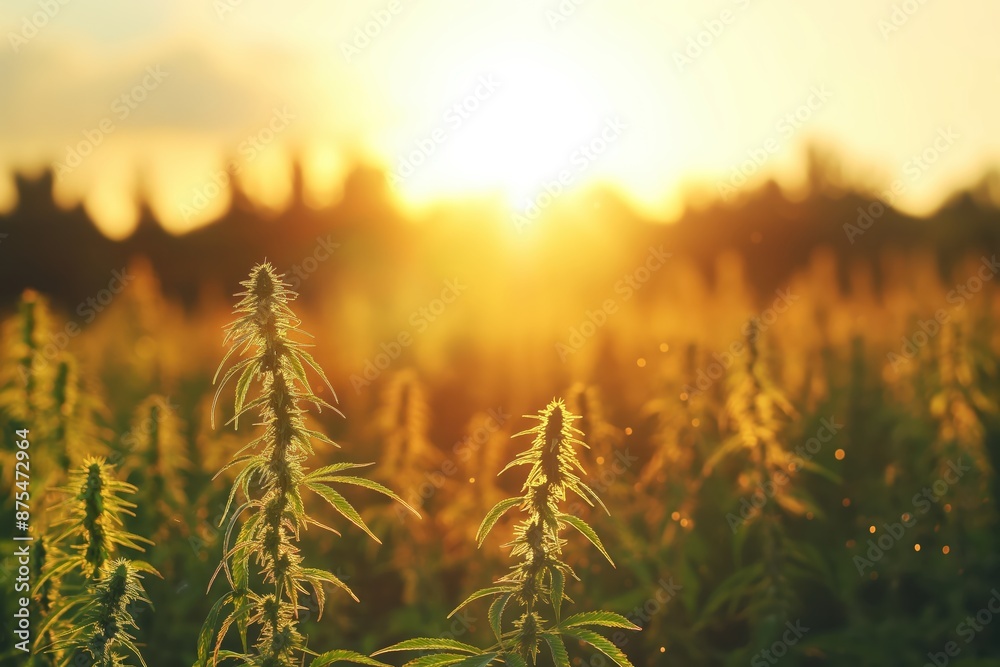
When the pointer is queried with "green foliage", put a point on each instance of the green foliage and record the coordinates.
(537, 582)
(272, 476)
(101, 618)
(79, 573)
(761, 590)
(91, 522)
(157, 462)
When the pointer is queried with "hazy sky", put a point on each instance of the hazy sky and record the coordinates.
(466, 97)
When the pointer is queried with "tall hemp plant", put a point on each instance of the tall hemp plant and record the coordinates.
(271, 480)
(87, 591)
(534, 590)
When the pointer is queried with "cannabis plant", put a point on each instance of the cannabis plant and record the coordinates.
(758, 414)
(271, 480)
(25, 372)
(534, 589)
(157, 462)
(76, 558)
(102, 619)
(91, 527)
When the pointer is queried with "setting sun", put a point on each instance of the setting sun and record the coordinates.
(524, 118)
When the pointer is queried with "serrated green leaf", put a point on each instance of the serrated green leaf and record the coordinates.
(477, 660)
(587, 532)
(495, 614)
(513, 660)
(429, 644)
(342, 655)
(557, 588)
(374, 486)
(435, 660)
(601, 643)
(481, 593)
(607, 619)
(339, 503)
(317, 575)
(493, 516)
(559, 654)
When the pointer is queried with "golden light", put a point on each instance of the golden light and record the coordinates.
(516, 119)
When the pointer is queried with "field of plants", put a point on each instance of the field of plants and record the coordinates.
(563, 462)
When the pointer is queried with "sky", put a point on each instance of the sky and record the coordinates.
(525, 100)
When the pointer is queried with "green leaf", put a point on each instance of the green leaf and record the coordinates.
(477, 660)
(481, 593)
(242, 386)
(607, 619)
(339, 503)
(208, 630)
(496, 613)
(557, 587)
(429, 644)
(374, 486)
(559, 654)
(342, 655)
(315, 576)
(601, 643)
(493, 516)
(306, 357)
(514, 660)
(587, 531)
(331, 469)
(435, 660)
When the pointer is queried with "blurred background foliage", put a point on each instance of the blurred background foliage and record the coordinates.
(868, 375)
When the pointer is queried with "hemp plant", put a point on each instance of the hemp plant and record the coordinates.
(81, 560)
(763, 591)
(103, 618)
(271, 479)
(92, 521)
(536, 584)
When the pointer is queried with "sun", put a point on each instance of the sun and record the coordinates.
(517, 122)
